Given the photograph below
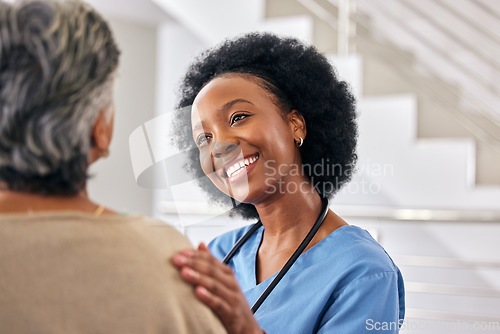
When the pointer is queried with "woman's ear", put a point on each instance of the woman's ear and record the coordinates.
(297, 125)
(102, 133)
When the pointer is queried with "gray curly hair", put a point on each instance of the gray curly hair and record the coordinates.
(57, 66)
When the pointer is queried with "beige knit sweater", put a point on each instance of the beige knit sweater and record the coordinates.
(75, 273)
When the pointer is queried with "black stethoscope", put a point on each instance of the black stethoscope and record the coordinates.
(291, 260)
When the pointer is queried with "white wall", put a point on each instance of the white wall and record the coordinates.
(113, 183)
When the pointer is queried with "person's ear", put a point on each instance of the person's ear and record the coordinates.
(102, 133)
(298, 126)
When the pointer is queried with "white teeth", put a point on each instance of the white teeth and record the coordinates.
(237, 167)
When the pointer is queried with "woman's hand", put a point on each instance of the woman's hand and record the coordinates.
(216, 286)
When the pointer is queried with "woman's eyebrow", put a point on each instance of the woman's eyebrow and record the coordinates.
(229, 104)
(226, 106)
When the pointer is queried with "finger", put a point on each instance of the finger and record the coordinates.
(212, 284)
(219, 305)
(203, 248)
(203, 263)
(201, 260)
(213, 268)
(203, 254)
(182, 258)
(215, 287)
(236, 317)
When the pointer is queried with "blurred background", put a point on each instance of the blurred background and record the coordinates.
(426, 74)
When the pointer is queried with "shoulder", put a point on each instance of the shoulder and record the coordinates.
(361, 272)
(354, 245)
(222, 244)
(152, 244)
(159, 234)
(355, 255)
(124, 258)
(139, 236)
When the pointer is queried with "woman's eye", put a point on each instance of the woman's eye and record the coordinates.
(237, 118)
(201, 139)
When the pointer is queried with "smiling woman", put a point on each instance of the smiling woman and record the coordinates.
(265, 112)
(237, 133)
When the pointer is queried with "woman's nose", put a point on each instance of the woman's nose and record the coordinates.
(222, 148)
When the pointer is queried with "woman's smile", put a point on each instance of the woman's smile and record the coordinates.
(233, 171)
(239, 131)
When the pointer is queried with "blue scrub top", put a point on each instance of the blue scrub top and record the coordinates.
(344, 284)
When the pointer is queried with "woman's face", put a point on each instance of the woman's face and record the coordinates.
(246, 143)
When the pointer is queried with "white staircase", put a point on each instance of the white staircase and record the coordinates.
(412, 172)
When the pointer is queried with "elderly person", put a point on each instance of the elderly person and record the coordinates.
(67, 264)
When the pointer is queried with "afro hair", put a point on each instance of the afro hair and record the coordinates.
(298, 77)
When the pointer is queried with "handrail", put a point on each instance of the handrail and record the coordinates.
(413, 313)
(460, 116)
(344, 14)
(481, 134)
(450, 289)
(355, 211)
(489, 33)
(485, 57)
(444, 262)
(410, 214)
(467, 70)
(320, 12)
(486, 9)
